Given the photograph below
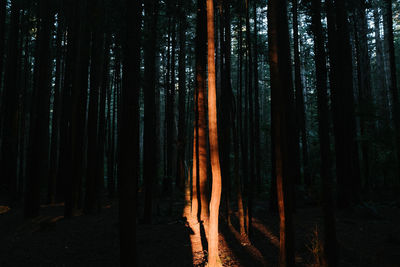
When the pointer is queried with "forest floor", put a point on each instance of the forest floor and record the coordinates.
(369, 235)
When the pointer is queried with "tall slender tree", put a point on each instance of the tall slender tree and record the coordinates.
(129, 134)
(281, 86)
(96, 76)
(213, 258)
(39, 119)
(330, 243)
(9, 155)
(393, 77)
(149, 146)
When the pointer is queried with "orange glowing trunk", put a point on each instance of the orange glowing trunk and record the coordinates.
(195, 201)
(213, 137)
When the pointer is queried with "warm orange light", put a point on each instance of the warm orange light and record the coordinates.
(4, 209)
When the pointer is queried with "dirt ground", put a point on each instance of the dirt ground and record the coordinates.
(369, 235)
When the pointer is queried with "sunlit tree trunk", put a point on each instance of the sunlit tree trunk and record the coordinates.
(201, 61)
(330, 244)
(213, 258)
(129, 134)
(281, 86)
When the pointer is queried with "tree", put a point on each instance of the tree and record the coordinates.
(39, 120)
(129, 134)
(393, 77)
(181, 146)
(299, 99)
(201, 132)
(281, 86)
(149, 146)
(213, 258)
(330, 244)
(96, 75)
(342, 95)
(9, 147)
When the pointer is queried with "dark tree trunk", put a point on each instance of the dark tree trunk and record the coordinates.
(364, 85)
(92, 185)
(257, 143)
(129, 134)
(64, 171)
(180, 177)
(102, 113)
(341, 81)
(9, 155)
(393, 78)
(55, 121)
(250, 88)
(330, 244)
(73, 197)
(3, 14)
(299, 102)
(38, 151)
(281, 87)
(150, 164)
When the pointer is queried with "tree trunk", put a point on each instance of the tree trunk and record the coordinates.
(150, 166)
(341, 84)
(129, 134)
(299, 102)
(330, 244)
(3, 14)
(213, 258)
(78, 113)
(393, 79)
(201, 53)
(281, 86)
(55, 123)
(38, 151)
(180, 177)
(257, 143)
(9, 155)
(92, 203)
(365, 91)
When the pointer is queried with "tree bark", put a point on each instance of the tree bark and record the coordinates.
(330, 244)
(393, 79)
(150, 166)
(9, 155)
(38, 151)
(213, 258)
(281, 86)
(299, 100)
(129, 134)
(92, 203)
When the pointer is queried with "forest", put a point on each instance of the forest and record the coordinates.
(200, 133)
